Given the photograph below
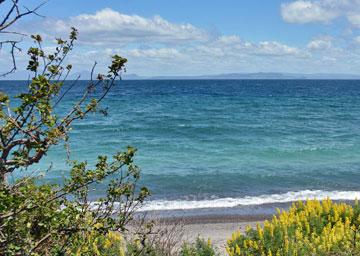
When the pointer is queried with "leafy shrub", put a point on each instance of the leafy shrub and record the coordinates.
(97, 244)
(60, 219)
(199, 248)
(142, 248)
(310, 228)
(41, 220)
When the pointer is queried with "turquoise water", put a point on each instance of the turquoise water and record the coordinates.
(215, 143)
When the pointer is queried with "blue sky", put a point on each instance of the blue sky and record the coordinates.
(183, 37)
(252, 19)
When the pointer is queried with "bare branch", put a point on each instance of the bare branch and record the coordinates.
(13, 47)
(10, 18)
(9, 13)
(66, 91)
(7, 23)
(41, 241)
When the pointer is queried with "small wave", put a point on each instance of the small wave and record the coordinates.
(248, 200)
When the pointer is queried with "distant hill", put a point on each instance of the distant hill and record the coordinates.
(262, 75)
(85, 75)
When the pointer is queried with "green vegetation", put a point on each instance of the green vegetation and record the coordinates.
(158, 247)
(311, 228)
(41, 219)
(199, 248)
(52, 219)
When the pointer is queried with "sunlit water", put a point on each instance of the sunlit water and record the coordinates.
(214, 143)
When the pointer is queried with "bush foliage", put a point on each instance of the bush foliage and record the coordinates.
(310, 228)
(200, 247)
(53, 219)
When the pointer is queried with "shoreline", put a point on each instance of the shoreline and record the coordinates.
(238, 213)
(217, 228)
(218, 224)
(158, 204)
(218, 232)
(213, 219)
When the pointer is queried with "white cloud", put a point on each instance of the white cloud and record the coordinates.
(233, 45)
(357, 39)
(164, 53)
(354, 19)
(321, 11)
(233, 39)
(155, 46)
(111, 27)
(321, 43)
(276, 49)
(307, 11)
(229, 54)
(158, 46)
(225, 54)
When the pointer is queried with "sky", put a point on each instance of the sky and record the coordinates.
(183, 37)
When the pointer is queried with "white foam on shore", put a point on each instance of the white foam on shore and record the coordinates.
(249, 200)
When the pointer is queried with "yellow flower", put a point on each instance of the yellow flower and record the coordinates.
(237, 250)
(98, 225)
(107, 243)
(311, 228)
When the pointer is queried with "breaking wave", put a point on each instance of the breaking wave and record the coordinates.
(228, 202)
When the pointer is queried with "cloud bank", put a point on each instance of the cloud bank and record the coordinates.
(156, 46)
(109, 27)
(321, 11)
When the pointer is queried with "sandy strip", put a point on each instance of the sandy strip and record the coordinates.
(218, 228)
(219, 233)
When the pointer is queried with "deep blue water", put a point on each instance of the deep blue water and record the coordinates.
(213, 139)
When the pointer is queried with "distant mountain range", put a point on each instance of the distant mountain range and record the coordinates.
(235, 76)
(260, 75)
(85, 75)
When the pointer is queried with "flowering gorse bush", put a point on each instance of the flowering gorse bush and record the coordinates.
(310, 228)
(111, 243)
